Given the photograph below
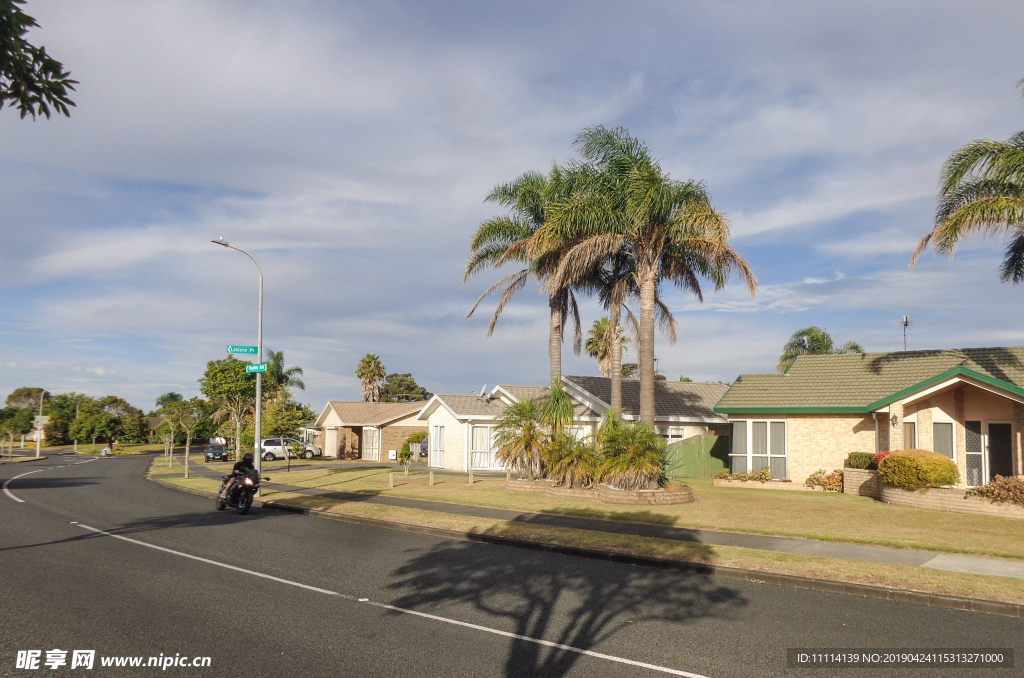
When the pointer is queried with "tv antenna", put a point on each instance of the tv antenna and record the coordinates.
(906, 321)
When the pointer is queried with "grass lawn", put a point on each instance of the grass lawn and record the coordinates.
(877, 574)
(811, 515)
(120, 448)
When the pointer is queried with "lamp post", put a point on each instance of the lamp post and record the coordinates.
(259, 359)
(39, 430)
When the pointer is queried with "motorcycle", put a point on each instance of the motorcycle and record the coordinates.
(241, 493)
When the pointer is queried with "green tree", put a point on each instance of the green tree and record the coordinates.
(94, 426)
(399, 388)
(509, 239)
(63, 408)
(812, 341)
(981, 190)
(280, 378)
(232, 391)
(669, 229)
(168, 398)
(520, 437)
(30, 79)
(16, 423)
(685, 379)
(599, 344)
(285, 419)
(26, 397)
(193, 412)
(370, 371)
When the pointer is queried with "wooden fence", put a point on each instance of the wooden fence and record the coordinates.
(697, 457)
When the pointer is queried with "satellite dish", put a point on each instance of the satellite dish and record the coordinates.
(483, 390)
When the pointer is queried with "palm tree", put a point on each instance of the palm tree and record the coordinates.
(370, 371)
(599, 344)
(626, 205)
(279, 378)
(812, 341)
(520, 438)
(506, 239)
(981, 190)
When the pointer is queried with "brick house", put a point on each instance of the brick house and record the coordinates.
(967, 404)
(360, 430)
(462, 426)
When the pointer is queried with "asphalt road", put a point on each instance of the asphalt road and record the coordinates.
(434, 607)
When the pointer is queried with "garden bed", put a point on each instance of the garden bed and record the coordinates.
(949, 499)
(605, 494)
(769, 485)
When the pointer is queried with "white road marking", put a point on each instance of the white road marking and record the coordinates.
(476, 627)
(8, 492)
(85, 462)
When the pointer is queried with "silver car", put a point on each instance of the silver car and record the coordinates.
(276, 448)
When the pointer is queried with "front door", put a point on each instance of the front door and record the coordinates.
(1000, 450)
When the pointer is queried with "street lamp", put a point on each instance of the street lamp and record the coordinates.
(259, 358)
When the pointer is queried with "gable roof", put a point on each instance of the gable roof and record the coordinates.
(673, 400)
(863, 382)
(465, 406)
(581, 411)
(356, 413)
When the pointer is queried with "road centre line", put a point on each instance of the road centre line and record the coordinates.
(476, 627)
(8, 492)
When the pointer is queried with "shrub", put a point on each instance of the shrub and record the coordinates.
(880, 456)
(762, 476)
(918, 470)
(723, 475)
(832, 482)
(572, 463)
(634, 457)
(861, 460)
(1001, 491)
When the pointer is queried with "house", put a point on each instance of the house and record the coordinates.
(462, 426)
(967, 404)
(361, 430)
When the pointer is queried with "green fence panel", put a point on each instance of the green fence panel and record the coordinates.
(697, 457)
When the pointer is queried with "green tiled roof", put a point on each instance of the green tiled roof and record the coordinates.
(861, 382)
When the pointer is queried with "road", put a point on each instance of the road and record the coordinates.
(96, 557)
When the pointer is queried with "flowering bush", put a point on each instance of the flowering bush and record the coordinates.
(1001, 491)
(880, 456)
(832, 482)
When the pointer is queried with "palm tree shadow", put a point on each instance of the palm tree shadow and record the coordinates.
(570, 601)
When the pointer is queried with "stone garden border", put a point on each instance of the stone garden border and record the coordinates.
(605, 494)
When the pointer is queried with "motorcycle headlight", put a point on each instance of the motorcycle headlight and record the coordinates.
(248, 481)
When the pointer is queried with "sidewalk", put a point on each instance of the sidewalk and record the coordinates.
(999, 567)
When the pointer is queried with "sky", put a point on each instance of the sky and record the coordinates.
(349, 146)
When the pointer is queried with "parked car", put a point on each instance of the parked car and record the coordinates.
(276, 448)
(216, 453)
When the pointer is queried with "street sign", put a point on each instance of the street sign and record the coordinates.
(256, 367)
(247, 350)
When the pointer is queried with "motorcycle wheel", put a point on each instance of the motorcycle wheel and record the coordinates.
(244, 502)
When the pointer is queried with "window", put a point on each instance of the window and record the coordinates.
(371, 444)
(438, 446)
(909, 435)
(757, 445)
(942, 440)
(481, 455)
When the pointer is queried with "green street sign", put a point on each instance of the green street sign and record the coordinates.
(247, 350)
(256, 367)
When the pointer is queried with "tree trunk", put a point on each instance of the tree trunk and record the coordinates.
(646, 352)
(555, 337)
(238, 437)
(616, 351)
(188, 439)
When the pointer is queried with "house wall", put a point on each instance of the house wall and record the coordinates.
(454, 438)
(392, 437)
(823, 441)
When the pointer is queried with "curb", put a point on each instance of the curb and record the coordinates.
(687, 566)
(21, 461)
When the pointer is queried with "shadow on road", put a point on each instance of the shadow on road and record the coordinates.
(570, 601)
(43, 482)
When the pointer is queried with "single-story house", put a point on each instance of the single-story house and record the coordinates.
(462, 426)
(361, 430)
(967, 404)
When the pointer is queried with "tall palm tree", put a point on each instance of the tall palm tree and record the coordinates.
(370, 371)
(279, 378)
(812, 341)
(505, 239)
(626, 205)
(981, 190)
(599, 344)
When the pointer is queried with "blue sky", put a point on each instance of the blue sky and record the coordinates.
(349, 146)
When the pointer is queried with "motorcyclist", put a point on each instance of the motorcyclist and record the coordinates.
(240, 469)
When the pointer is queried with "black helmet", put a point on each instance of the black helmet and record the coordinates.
(247, 458)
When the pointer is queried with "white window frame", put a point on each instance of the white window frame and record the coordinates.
(437, 448)
(490, 450)
(750, 441)
(375, 450)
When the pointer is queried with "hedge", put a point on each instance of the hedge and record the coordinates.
(918, 470)
(862, 460)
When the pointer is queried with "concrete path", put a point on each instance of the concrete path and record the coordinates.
(1000, 567)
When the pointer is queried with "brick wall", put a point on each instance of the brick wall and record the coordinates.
(823, 441)
(393, 437)
(605, 494)
(951, 500)
(862, 482)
